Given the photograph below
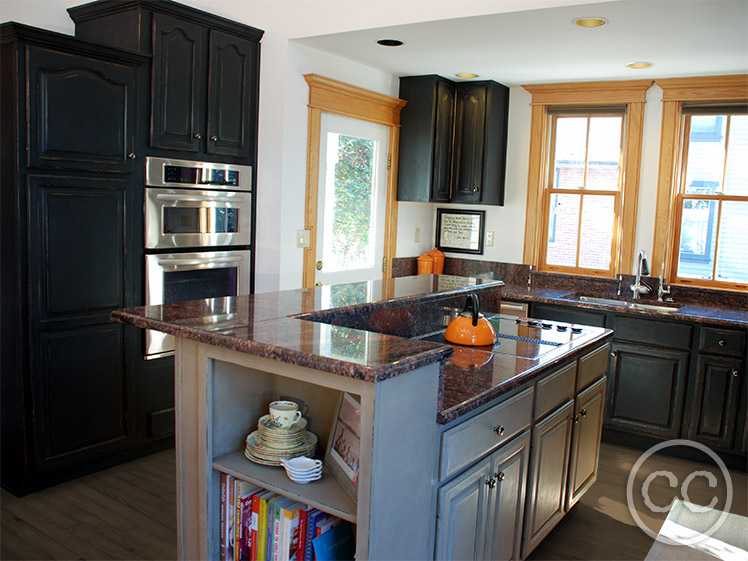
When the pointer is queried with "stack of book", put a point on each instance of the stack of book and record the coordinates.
(260, 525)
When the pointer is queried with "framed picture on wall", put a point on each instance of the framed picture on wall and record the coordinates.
(460, 231)
(343, 447)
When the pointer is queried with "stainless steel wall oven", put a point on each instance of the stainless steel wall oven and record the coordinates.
(197, 235)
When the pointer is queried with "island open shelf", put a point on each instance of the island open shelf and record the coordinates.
(325, 494)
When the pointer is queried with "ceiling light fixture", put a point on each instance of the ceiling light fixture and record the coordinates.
(589, 22)
(639, 64)
(466, 75)
(389, 42)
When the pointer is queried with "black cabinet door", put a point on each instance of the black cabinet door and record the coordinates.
(441, 184)
(714, 409)
(177, 116)
(232, 92)
(470, 130)
(81, 112)
(646, 389)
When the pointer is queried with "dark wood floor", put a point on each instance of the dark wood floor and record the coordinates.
(127, 513)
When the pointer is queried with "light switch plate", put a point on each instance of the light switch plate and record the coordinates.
(417, 235)
(489, 239)
(302, 238)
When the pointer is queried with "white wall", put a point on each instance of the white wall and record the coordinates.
(283, 98)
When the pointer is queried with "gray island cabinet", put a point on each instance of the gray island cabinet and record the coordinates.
(459, 458)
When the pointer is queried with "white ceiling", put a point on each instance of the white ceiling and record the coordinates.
(681, 38)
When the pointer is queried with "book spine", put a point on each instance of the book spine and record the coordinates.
(276, 533)
(303, 517)
(254, 525)
(224, 500)
(262, 530)
(237, 524)
(245, 541)
(230, 514)
(269, 542)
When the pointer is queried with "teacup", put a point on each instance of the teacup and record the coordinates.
(284, 414)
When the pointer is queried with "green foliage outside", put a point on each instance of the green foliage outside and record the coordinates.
(352, 212)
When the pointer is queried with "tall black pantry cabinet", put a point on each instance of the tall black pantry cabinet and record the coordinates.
(76, 395)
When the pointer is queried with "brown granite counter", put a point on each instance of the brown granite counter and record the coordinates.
(360, 330)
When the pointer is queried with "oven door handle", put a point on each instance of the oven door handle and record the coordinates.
(199, 261)
(198, 199)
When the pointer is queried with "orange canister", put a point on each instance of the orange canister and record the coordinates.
(425, 264)
(438, 260)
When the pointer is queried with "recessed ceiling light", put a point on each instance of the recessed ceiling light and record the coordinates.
(466, 75)
(639, 64)
(589, 22)
(389, 42)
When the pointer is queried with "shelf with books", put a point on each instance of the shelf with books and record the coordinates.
(325, 494)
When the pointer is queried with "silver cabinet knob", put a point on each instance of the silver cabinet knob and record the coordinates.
(197, 136)
(576, 418)
(214, 138)
(735, 373)
(614, 354)
(491, 483)
(131, 155)
(499, 430)
(475, 189)
(722, 342)
(583, 412)
(500, 476)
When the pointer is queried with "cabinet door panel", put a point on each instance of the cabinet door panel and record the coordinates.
(715, 404)
(176, 111)
(232, 84)
(504, 536)
(470, 126)
(647, 390)
(585, 447)
(441, 187)
(79, 396)
(548, 475)
(77, 252)
(462, 513)
(81, 112)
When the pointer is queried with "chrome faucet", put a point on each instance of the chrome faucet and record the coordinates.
(663, 288)
(642, 268)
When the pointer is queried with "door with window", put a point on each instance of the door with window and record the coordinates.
(351, 200)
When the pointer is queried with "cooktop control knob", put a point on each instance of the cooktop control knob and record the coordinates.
(547, 326)
(576, 329)
(561, 327)
(533, 323)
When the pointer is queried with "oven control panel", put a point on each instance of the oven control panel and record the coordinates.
(163, 172)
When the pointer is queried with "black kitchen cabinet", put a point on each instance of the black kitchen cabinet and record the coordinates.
(452, 141)
(70, 231)
(716, 394)
(204, 77)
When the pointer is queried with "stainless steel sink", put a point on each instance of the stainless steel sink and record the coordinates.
(629, 305)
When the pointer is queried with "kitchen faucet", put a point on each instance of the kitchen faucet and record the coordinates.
(642, 268)
(663, 288)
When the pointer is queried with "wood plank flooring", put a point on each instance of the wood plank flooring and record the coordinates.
(128, 513)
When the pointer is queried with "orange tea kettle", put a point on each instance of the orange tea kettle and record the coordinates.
(470, 327)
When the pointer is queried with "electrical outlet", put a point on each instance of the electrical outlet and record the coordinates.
(489, 239)
(302, 238)
(417, 235)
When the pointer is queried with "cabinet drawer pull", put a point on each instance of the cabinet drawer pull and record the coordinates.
(735, 373)
(499, 430)
(214, 138)
(500, 476)
(491, 483)
(722, 342)
(197, 136)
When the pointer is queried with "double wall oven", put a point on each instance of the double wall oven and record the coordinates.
(198, 235)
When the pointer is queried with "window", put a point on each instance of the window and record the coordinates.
(702, 201)
(585, 152)
(582, 200)
(711, 205)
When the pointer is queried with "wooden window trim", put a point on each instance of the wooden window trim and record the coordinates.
(631, 93)
(675, 91)
(332, 96)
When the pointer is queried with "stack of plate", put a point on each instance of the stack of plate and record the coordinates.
(268, 445)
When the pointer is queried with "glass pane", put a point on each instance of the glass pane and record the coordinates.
(706, 154)
(348, 195)
(182, 286)
(604, 153)
(732, 257)
(563, 224)
(597, 231)
(571, 145)
(698, 239)
(736, 171)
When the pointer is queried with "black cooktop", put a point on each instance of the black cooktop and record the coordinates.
(523, 337)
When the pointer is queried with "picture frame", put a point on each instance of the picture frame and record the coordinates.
(343, 446)
(460, 231)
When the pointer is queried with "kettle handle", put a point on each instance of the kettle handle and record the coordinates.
(471, 304)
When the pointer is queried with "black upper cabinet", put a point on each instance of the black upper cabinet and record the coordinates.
(204, 79)
(452, 141)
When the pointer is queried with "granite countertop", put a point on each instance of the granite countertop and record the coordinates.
(296, 327)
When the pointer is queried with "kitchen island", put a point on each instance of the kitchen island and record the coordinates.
(435, 422)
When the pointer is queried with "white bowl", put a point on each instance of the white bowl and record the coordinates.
(302, 463)
(304, 480)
